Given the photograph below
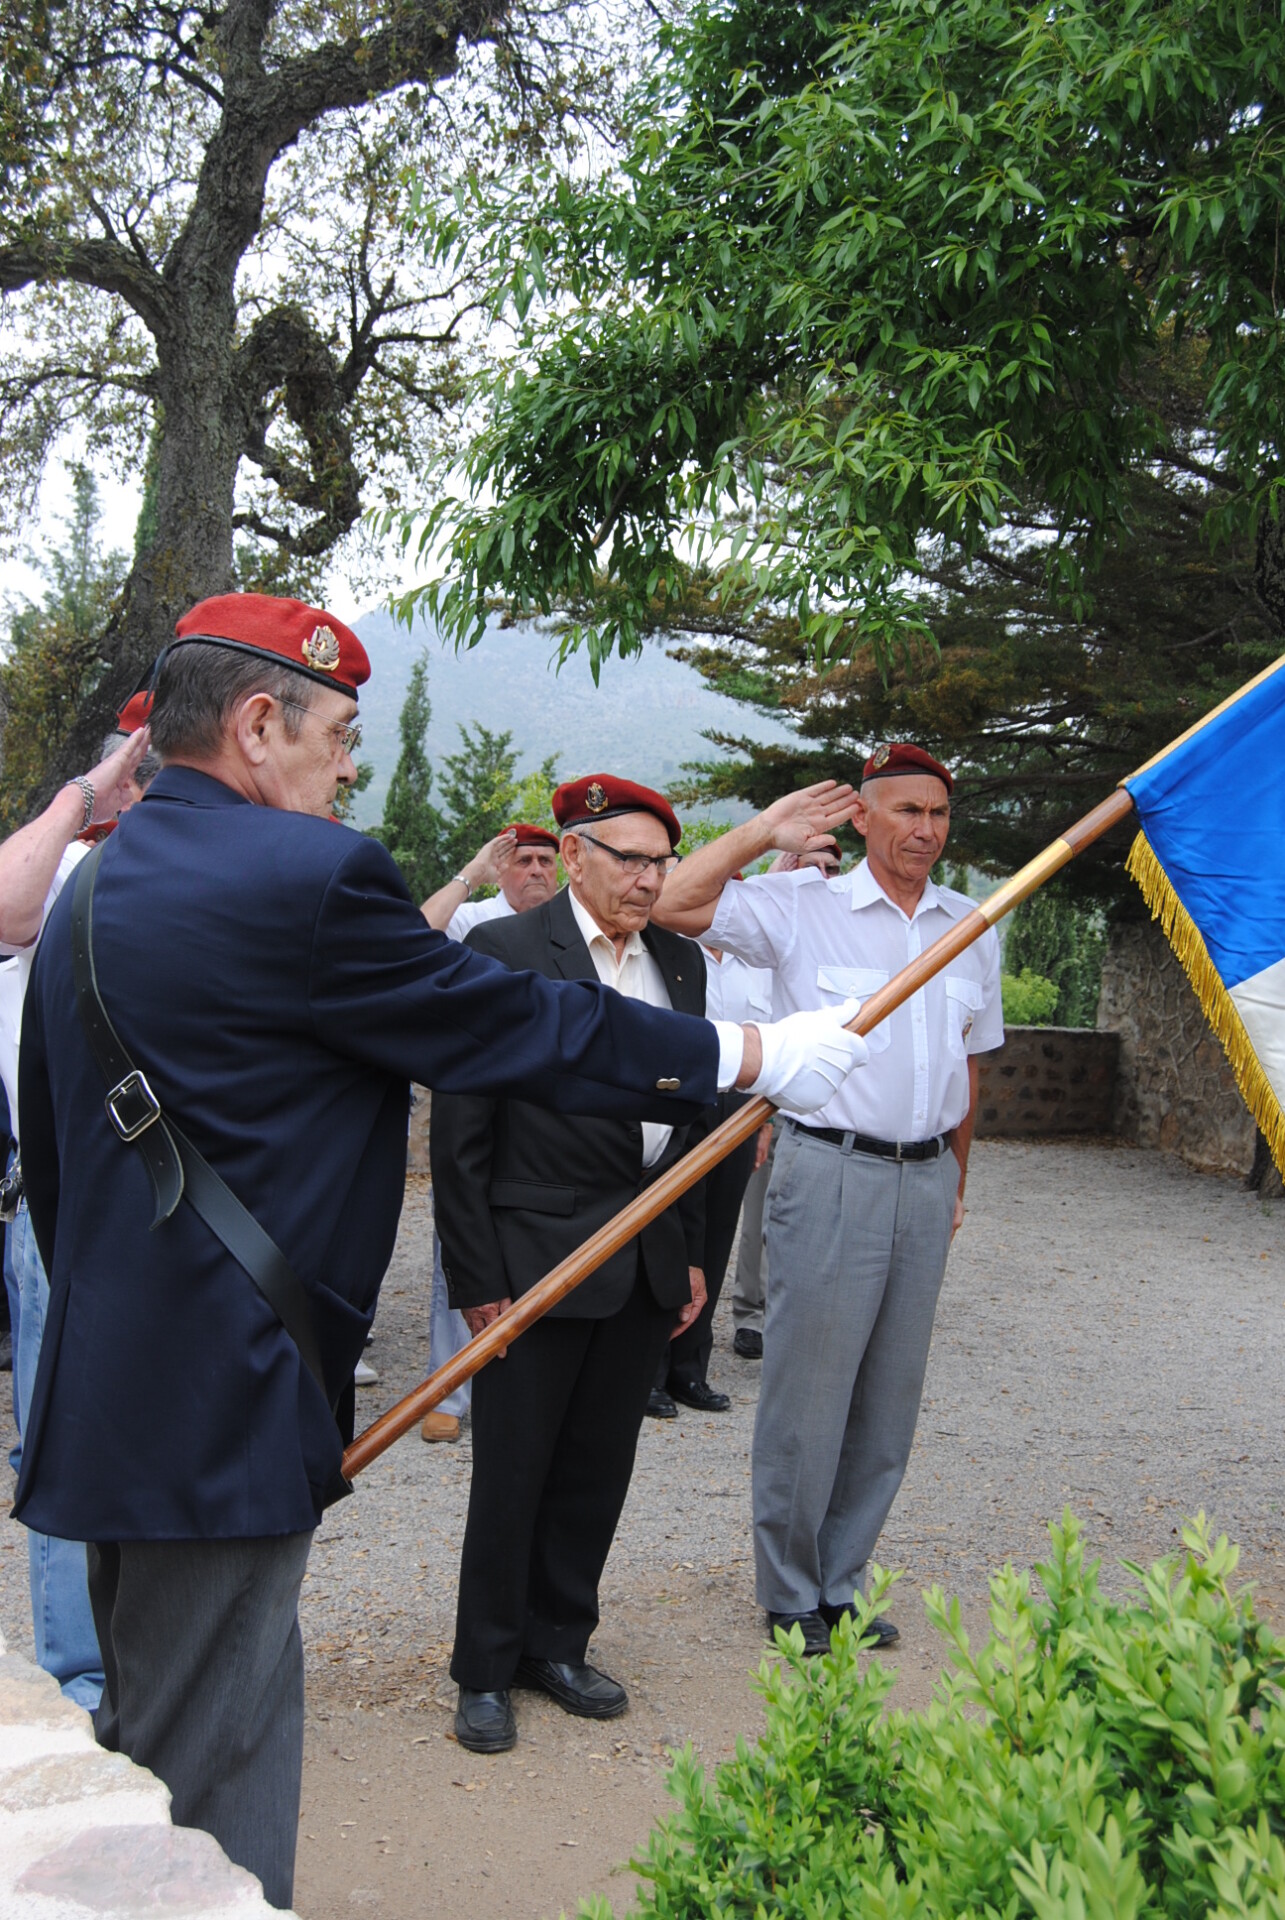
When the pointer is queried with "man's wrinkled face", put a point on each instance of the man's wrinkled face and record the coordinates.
(531, 879)
(305, 774)
(904, 820)
(619, 893)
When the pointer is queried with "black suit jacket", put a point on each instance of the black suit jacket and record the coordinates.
(516, 1189)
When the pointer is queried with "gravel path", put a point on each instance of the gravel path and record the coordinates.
(1110, 1336)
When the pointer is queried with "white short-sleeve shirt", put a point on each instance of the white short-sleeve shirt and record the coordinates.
(829, 940)
(14, 975)
(734, 991)
(475, 913)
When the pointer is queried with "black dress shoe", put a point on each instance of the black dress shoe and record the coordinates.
(660, 1406)
(484, 1722)
(879, 1632)
(699, 1394)
(816, 1634)
(579, 1688)
(748, 1343)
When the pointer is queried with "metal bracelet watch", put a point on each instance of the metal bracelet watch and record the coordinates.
(458, 878)
(86, 786)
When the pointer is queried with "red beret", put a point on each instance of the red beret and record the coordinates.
(901, 757)
(529, 836)
(135, 713)
(308, 639)
(600, 796)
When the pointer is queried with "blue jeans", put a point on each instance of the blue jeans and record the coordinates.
(447, 1333)
(66, 1643)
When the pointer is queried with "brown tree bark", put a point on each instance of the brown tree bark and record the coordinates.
(209, 385)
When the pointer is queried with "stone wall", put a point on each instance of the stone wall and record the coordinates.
(1048, 1080)
(86, 1831)
(1175, 1088)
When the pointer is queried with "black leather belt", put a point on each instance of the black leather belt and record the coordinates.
(885, 1149)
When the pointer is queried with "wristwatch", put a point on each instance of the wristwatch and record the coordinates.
(457, 879)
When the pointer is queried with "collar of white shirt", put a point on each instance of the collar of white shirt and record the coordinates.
(593, 932)
(866, 892)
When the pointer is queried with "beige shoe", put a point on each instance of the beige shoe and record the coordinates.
(439, 1426)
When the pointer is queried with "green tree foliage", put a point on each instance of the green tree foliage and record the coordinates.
(52, 648)
(873, 283)
(1039, 709)
(204, 265)
(1090, 1757)
(1029, 1000)
(410, 825)
(481, 794)
(479, 788)
(1055, 936)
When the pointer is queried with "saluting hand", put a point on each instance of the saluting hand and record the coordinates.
(804, 821)
(490, 863)
(113, 777)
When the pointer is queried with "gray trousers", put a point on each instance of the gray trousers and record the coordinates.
(858, 1248)
(204, 1685)
(749, 1287)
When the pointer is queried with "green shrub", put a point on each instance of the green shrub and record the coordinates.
(1093, 1757)
(1064, 940)
(1029, 999)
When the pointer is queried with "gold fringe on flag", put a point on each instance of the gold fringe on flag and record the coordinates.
(1220, 1009)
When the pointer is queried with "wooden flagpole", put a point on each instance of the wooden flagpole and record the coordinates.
(565, 1277)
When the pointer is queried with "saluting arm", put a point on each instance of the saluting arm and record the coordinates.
(799, 823)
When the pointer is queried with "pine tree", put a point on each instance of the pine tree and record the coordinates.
(411, 827)
(53, 652)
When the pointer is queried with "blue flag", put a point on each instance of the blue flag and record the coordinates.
(1210, 860)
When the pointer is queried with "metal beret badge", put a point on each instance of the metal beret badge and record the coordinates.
(596, 797)
(321, 650)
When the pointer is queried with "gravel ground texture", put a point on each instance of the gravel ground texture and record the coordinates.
(1110, 1337)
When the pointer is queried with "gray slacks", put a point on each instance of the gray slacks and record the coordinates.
(749, 1287)
(204, 1685)
(857, 1247)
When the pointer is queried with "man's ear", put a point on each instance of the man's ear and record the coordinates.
(571, 855)
(860, 815)
(251, 727)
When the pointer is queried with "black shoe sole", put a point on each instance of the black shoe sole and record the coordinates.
(480, 1743)
(570, 1702)
(700, 1406)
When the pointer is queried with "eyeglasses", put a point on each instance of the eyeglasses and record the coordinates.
(346, 738)
(636, 863)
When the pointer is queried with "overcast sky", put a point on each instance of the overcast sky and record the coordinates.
(120, 507)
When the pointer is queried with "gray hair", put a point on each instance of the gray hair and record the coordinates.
(201, 684)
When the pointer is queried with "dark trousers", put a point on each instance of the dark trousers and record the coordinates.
(204, 1685)
(687, 1358)
(555, 1429)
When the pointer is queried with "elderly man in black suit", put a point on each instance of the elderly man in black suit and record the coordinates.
(556, 1426)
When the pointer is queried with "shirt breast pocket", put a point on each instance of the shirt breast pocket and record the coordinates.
(856, 983)
(963, 1004)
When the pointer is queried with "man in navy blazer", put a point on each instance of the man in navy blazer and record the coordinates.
(269, 974)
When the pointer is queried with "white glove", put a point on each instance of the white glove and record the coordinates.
(808, 1056)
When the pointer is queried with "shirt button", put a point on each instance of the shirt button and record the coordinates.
(668, 1086)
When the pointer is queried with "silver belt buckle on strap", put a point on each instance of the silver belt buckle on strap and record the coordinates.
(132, 1107)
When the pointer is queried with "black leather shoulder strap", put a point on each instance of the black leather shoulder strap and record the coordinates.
(178, 1171)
